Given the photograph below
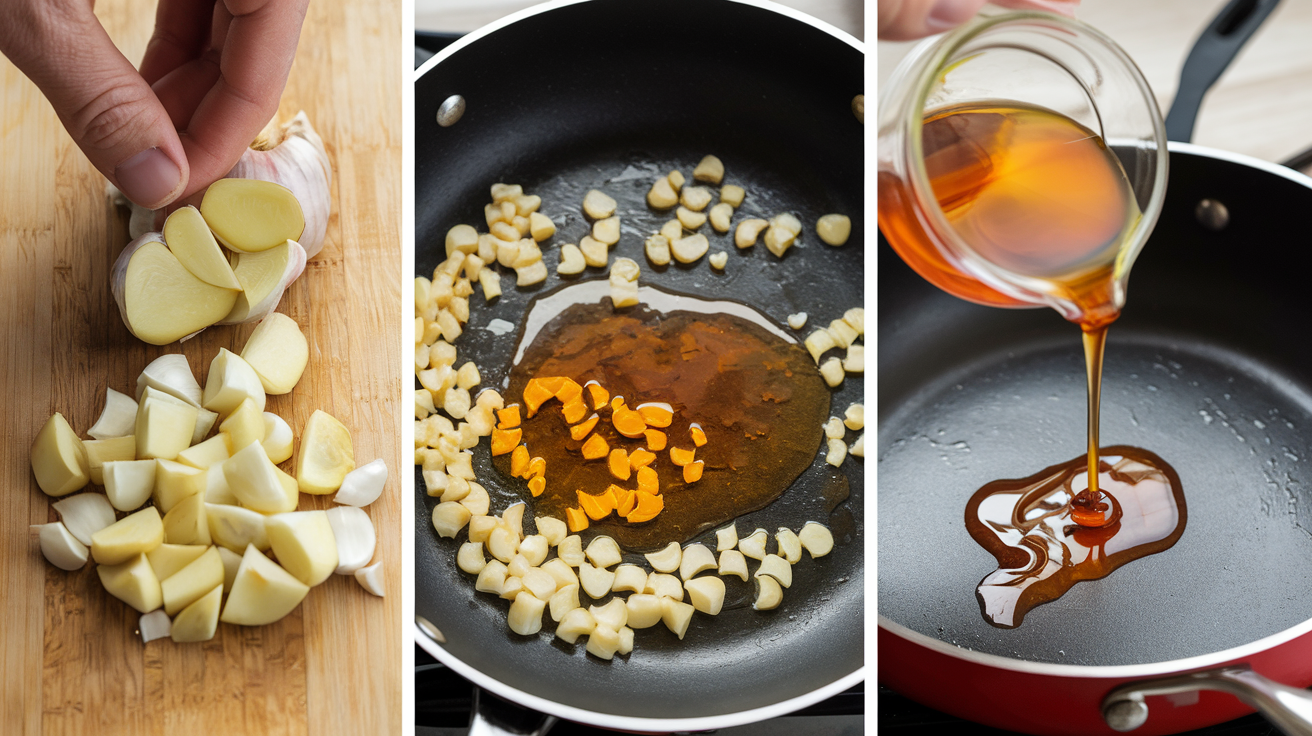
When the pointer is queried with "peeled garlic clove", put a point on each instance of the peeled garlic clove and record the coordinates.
(264, 277)
(154, 625)
(449, 518)
(696, 558)
(732, 562)
(128, 483)
(326, 454)
(470, 558)
(254, 480)
(60, 547)
(563, 573)
(251, 216)
(277, 442)
(354, 534)
(596, 581)
(278, 352)
(797, 321)
(570, 550)
(706, 594)
(855, 362)
(836, 453)
(513, 518)
(657, 248)
(754, 546)
(662, 585)
(117, 419)
(576, 622)
(534, 548)
(59, 461)
(790, 547)
(189, 238)
(564, 600)
(777, 568)
(230, 381)
(834, 229)
(710, 169)
(629, 577)
(613, 614)
(604, 552)
(552, 529)
(858, 448)
(539, 583)
(689, 249)
(235, 527)
(525, 617)
(644, 610)
(363, 485)
(571, 260)
(667, 559)
(159, 300)
(491, 578)
(193, 581)
(306, 545)
(85, 514)
(725, 538)
(748, 231)
(371, 578)
(262, 592)
(676, 616)
(598, 205)
(816, 539)
(768, 593)
(171, 374)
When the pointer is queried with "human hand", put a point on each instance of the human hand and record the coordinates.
(209, 81)
(903, 20)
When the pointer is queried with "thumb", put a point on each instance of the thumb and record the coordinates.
(105, 105)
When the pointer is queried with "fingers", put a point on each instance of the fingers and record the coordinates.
(107, 107)
(257, 48)
(182, 33)
(903, 20)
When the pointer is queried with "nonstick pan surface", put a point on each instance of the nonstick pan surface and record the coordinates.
(1208, 367)
(610, 95)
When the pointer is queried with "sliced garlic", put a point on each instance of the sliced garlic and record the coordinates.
(676, 615)
(576, 622)
(790, 547)
(706, 594)
(355, 538)
(85, 514)
(667, 559)
(768, 593)
(117, 419)
(816, 539)
(171, 374)
(777, 568)
(754, 545)
(158, 299)
(732, 562)
(154, 625)
(264, 279)
(695, 559)
(371, 578)
(363, 485)
(604, 552)
(61, 548)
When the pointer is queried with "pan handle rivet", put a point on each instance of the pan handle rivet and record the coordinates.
(1125, 715)
(859, 108)
(432, 631)
(450, 111)
(1212, 215)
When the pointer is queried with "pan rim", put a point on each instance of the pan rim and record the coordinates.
(632, 723)
(1242, 159)
(496, 25)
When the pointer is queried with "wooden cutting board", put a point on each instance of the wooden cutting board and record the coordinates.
(71, 661)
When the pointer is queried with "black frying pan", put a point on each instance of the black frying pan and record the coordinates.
(1207, 367)
(608, 94)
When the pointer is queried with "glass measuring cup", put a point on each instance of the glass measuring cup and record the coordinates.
(1010, 68)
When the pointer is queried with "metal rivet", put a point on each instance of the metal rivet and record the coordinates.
(428, 628)
(859, 108)
(1212, 215)
(450, 111)
(1125, 715)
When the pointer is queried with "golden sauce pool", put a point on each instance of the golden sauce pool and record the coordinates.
(1026, 525)
(758, 397)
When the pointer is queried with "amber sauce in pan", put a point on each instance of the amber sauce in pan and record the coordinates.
(1034, 192)
(758, 398)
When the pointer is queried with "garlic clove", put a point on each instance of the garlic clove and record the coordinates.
(777, 568)
(768, 593)
(278, 352)
(816, 539)
(363, 485)
(231, 380)
(676, 616)
(689, 249)
(128, 483)
(564, 600)
(470, 558)
(575, 623)
(235, 527)
(117, 419)
(212, 451)
(305, 543)
(525, 617)
(371, 578)
(264, 277)
(554, 530)
(754, 546)
(726, 537)
(629, 577)
(326, 454)
(667, 559)
(85, 514)
(858, 448)
(262, 592)
(61, 548)
(154, 625)
(790, 547)
(491, 578)
(171, 374)
(596, 581)
(604, 552)
(205, 420)
(613, 614)
(165, 426)
(644, 610)
(696, 558)
(563, 573)
(706, 594)
(59, 461)
(278, 438)
(189, 238)
(732, 562)
(709, 169)
(662, 585)
(250, 215)
(159, 300)
(254, 480)
(355, 538)
(570, 550)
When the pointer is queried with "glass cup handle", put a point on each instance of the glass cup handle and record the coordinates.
(1288, 708)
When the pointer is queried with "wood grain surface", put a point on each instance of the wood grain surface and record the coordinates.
(71, 661)
(1261, 106)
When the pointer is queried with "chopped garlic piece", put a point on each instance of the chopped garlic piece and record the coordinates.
(689, 219)
(748, 231)
(657, 248)
(834, 428)
(837, 453)
(834, 229)
(710, 169)
(644, 610)
(604, 552)
(721, 216)
(596, 581)
(695, 559)
(667, 559)
(607, 231)
(768, 593)
(726, 537)
(706, 593)
(855, 417)
(732, 195)
(797, 321)
(754, 545)
(856, 316)
(665, 586)
(689, 249)
(855, 362)
(790, 547)
(572, 261)
(371, 578)
(818, 343)
(859, 447)
(577, 622)
(613, 615)
(718, 260)
(732, 562)
(672, 230)
(676, 616)
(777, 568)
(629, 577)
(843, 333)
(570, 550)
(525, 617)
(598, 205)
(531, 274)
(595, 252)
(662, 195)
(695, 198)
(449, 518)
(832, 371)
(470, 558)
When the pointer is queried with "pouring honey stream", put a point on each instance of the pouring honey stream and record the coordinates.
(1007, 202)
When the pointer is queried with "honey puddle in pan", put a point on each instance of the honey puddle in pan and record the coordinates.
(1037, 193)
(1041, 552)
(750, 386)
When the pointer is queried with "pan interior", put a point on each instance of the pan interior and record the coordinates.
(1201, 369)
(598, 112)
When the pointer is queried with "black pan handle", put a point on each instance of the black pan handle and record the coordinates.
(1218, 45)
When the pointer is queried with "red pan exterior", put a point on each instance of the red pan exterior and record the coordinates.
(1062, 700)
